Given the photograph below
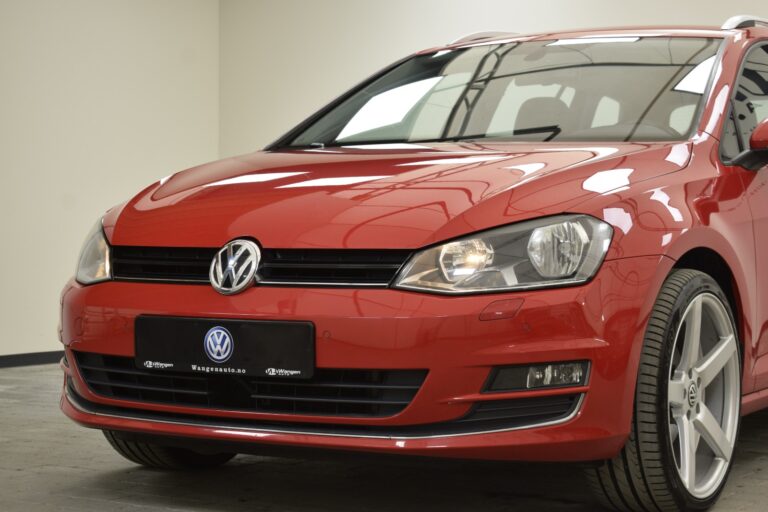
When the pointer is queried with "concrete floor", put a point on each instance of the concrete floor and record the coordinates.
(49, 463)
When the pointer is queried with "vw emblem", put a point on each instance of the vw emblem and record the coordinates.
(693, 395)
(219, 345)
(234, 267)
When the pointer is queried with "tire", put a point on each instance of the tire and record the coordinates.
(646, 475)
(164, 457)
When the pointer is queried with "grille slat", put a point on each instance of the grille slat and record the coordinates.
(331, 392)
(356, 385)
(332, 266)
(130, 371)
(333, 400)
(142, 387)
(323, 267)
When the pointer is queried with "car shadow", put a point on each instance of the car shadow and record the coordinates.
(261, 483)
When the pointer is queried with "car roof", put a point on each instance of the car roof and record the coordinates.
(487, 38)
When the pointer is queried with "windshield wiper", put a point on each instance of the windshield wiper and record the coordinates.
(554, 129)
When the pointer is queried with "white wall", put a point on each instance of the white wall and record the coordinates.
(281, 61)
(98, 98)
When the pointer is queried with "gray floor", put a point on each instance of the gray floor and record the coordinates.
(49, 463)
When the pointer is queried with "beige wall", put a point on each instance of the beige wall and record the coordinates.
(283, 60)
(98, 98)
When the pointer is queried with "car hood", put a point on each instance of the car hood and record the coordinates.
(384, 196)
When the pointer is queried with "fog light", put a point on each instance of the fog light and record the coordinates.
(562, 374)
(516, 378)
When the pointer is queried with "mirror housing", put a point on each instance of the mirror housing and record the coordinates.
(757, 155)
(759, 139)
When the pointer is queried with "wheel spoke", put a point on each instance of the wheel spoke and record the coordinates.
(676, 392)
(674, 432)
(687, 452)
(709, 428)
(711, 366)
(692, 342)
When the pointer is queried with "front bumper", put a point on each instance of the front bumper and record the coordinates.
(601, 321)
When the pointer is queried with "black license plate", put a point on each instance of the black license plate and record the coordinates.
(226, 347)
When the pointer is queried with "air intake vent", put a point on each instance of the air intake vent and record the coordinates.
(331, 392)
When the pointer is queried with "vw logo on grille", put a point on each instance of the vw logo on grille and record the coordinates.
(234, 267)
(219, 345)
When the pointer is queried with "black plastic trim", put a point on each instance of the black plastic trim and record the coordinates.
(466, 425)
(31, 358)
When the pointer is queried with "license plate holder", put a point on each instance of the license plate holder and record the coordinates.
(259, 348)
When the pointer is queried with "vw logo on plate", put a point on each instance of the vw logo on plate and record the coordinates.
(219, 345)
(234, 267)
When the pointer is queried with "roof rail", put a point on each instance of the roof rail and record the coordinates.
(744, 21)
(482, 36)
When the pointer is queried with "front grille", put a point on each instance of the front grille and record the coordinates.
(185, 264)
(330, 392)
(372, 267)
(331, 267)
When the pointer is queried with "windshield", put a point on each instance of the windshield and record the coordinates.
(586, 89)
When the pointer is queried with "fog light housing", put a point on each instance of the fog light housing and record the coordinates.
(561, 374)
(539, 376)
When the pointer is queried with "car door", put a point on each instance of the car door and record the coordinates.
(748, 108)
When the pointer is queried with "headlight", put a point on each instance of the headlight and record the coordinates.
(93, 266)
(552, 251)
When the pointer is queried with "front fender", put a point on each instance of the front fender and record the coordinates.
(701, 206)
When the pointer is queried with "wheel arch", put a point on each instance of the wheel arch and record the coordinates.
(709, 261)
(707, 251)
(728, 256)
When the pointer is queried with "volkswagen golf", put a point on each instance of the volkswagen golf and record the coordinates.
(515, 247)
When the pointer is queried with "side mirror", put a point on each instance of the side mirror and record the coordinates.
(757, 155)
(759, 139)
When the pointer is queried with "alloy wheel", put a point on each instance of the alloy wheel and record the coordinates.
(704, 394)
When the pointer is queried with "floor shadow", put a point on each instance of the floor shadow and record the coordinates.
(259, 483)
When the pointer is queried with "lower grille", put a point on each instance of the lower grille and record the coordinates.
(470, 424)
(330, 392)
(534, 410)
(318, 267)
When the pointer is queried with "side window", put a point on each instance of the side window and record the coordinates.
(750, 105)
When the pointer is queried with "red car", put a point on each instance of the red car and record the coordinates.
(541, 247)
